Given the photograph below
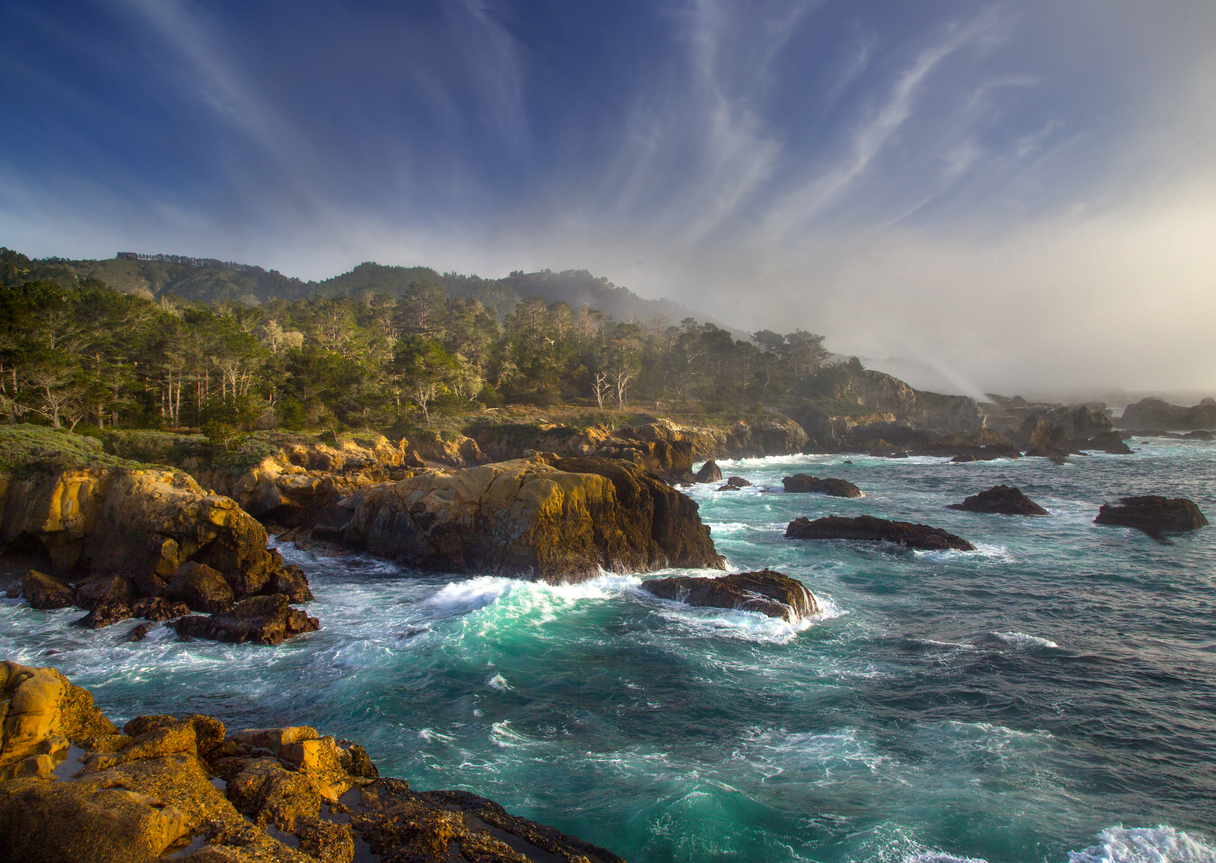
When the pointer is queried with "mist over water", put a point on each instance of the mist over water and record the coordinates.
(1047, 697)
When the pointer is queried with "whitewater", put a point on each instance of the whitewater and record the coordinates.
(1048, 697)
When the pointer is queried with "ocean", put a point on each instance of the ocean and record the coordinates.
(1049, 697)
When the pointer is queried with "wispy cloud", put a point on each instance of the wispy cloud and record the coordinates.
(791, 214)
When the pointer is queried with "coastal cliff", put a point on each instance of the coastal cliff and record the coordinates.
(545, 517)
(122, 541)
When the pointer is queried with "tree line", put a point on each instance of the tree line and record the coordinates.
(93, 355)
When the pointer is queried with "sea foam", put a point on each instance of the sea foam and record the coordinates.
(1145, 845)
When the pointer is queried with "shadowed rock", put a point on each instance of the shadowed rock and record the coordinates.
(709, 472)
(767, 592)
(200, 587)
(260, 619)
(1002, 500)
(869, 529)
(43, 592)
(801, 483)
(1153, 514)
(738, 482)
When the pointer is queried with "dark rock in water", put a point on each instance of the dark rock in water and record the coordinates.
(1199, 434)
(737, 482)
(728, 487)
(960, 450)
(1153, 514)
(709, 472)
(1057, 455)
(801, 483)
(1001, 499)
(767, 592)
(1108, 442)
(157, 608)
(891, 452)
(292, 581)
(201, 587)
(105, 615)
(104, 590)
(260, 619)
(138, 633)
(44, 592)
(870, 529)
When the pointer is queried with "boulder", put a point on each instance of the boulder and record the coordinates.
(137, 633)
(801, 483)
(738, 482)
(709, 472)
(1153, 514)
(1000, 499)
(43, 714)
(259, 619)
(104, 590)
(728, 487)
(43, 592)
(105, 615)
(200, 587)
(157, 608)
(767, 592)
(545, 518)
(869, 529)
(1109, 442)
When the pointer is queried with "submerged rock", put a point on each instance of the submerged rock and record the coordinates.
(801, 483)
(177, 785)
(546, 518)
(709, 472)
(767, 592)
(1153, 514)
(1002, 500)
(870, 529)
(259, 619)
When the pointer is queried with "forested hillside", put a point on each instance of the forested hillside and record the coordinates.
(251, 285)
(87, 353)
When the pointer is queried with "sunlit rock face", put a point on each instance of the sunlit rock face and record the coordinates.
(119, 538)
(544, 517)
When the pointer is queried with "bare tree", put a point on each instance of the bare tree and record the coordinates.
(621, 376)
(601, 388)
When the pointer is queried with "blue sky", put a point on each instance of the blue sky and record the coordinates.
(1006, 192)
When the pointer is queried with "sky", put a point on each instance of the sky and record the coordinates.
(1017, 196)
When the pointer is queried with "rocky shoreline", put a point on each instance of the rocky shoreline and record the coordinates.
(74, 787)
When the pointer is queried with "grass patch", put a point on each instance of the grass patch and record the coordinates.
(29, 449)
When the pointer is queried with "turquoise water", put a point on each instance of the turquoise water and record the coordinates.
(1049, 697)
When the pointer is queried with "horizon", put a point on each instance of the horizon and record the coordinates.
(1037, 173)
